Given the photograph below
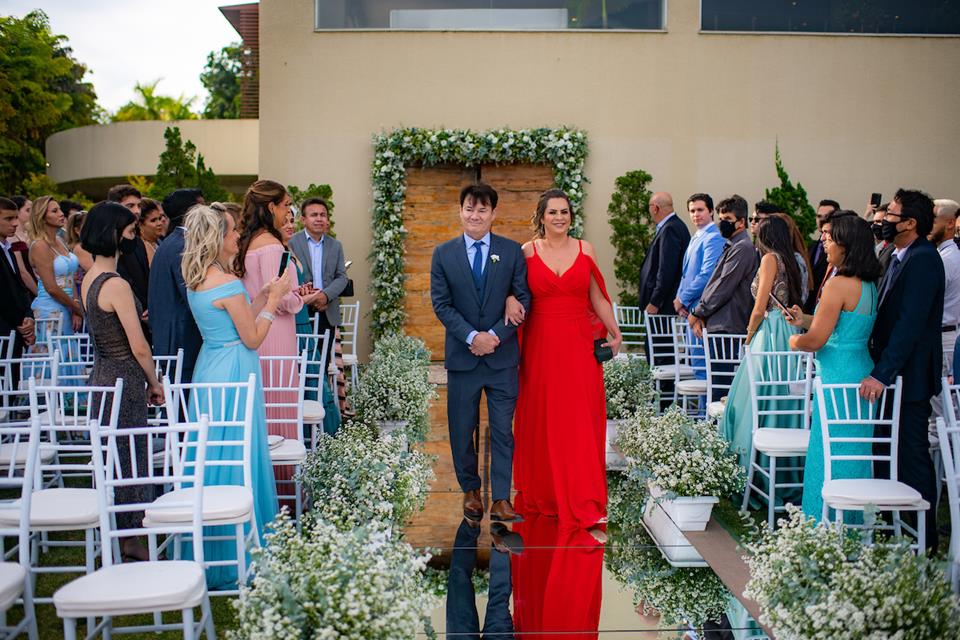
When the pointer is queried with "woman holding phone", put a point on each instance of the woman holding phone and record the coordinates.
(266, 207)
(778, 284)
(838, 333)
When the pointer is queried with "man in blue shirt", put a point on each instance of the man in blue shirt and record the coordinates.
(701, 256)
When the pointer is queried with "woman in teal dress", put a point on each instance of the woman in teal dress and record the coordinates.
(767, 330)
(838, 332)
(232, 328)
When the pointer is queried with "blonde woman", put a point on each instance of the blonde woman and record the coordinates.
(232, 327)
(55, 266)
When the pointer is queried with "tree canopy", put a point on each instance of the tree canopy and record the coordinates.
(792, 198)
(221, 78)
(148, 105)
(180, 166)
(42, 91)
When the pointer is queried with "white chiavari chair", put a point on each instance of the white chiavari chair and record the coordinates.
(44, 329)
(688, 354)
(317, 347)
(6, 345)
(660, 353)
(724, 353)
(948, 433)
(349, 327)
(630, 321)
(75, 357)
(284, 382)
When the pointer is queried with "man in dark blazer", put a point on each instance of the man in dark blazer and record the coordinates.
(906, 340)
(663, 265)
(817, 254)
(321, 258)
(15, 312)
(470, 279)
(171, 320)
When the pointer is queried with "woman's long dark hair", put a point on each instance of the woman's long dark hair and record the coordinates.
(256, 217)
(773, 236)
(853, 233)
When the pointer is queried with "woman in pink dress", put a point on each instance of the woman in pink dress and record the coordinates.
(266, 206)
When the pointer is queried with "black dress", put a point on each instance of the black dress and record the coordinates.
(113, 360)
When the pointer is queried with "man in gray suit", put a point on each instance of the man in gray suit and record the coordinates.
(471, 277)
(321, 257)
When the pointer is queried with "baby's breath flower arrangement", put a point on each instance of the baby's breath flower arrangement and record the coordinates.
(327, 584)
(628, 387)
(354, 477)
(682, 456)
(395, 385)
(813, 582)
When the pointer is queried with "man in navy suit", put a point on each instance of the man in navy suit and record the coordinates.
(470, 279)
(15, 312)
(906, 339)
(171, 320)
(663, 265)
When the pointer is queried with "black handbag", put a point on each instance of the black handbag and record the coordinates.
(347, 290)
(600, 352)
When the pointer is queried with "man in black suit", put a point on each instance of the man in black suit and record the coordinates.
(816, 253)
(15, 312)
(663, 265)
(906, 339)
(132, 264)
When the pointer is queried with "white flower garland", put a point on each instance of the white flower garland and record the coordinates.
(564, 148)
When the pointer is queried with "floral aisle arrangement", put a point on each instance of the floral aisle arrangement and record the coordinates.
(628, 386)
(564, 148)
(355, 477)
(326, 583)
(814, 582)
(395, 385)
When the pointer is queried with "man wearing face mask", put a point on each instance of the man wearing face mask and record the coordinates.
(726, 302)
(883, 248)
(906, 341)
(133, 265)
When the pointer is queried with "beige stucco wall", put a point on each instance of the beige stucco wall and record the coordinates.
(700, 112)
(120, 149)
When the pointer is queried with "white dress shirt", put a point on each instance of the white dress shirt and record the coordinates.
(950, 255)
(316, 259)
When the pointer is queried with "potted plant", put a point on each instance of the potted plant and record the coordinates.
(628, 388)
(686, 463)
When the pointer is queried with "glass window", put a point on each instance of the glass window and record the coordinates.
(490, 14)
(918, 17)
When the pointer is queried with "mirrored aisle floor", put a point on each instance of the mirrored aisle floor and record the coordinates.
(540, 579)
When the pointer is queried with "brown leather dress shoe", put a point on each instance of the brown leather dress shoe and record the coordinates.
(502, 511)
(473, 505)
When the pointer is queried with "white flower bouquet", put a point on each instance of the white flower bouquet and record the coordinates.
(395, 385)
(354, 477)
(628, 387)
(682, 456)
(813, 581)
(326, 584)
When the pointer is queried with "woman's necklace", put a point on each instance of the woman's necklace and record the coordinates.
(53, 246)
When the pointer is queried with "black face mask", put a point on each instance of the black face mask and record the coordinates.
(888, 230)
(727, 228)
(877, 228)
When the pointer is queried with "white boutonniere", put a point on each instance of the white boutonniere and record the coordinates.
(494, 257)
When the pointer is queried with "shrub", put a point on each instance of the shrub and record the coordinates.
(628, 387)
(632, 231)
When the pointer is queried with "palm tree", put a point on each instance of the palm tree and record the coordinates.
(149, 106)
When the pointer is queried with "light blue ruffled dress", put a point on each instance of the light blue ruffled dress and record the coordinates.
(46, 306)
(224, 358)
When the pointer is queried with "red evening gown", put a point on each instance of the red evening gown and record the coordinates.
(560, 421)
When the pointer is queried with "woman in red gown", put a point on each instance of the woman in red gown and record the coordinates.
(560, 420)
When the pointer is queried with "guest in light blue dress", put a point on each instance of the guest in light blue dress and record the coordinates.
(838, 333)
(56, 267)
(232, 327)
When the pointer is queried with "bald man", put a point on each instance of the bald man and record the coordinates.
(944, 228)
(663, 265)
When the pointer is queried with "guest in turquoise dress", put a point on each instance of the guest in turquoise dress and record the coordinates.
(331, 412)
(232, 328)
(56, 267)
(838, 332)
(767, 330)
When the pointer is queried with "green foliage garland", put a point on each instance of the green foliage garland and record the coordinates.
(793, 199)
(564, 148)
(632, 231)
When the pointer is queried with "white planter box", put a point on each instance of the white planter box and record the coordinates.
(670, 540)
(396, 427)
(689, 514)
(615, 458)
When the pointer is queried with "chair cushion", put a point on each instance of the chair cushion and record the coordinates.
(290, 450)
(861, 492)
(135, 587)
(70, 420)
(782, 441)
(7, 450)
(12, 577)
(274, 441)
(58, 508)
(692, 387)
(220, 502)
(313, 412)
(669, 372)
(716, 409)
(350, 359)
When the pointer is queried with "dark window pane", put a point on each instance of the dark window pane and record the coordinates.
(833, 16)
(490, 14)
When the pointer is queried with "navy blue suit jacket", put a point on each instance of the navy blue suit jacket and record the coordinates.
(906, 335)
(460, 308)
(663, 266)
(171, 320)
